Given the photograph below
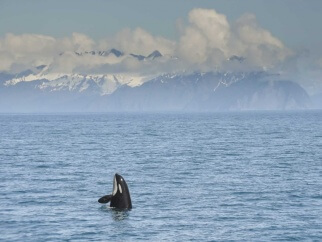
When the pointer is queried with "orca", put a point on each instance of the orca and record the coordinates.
(120, 197)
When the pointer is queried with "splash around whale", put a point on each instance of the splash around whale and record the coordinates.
(120, 197)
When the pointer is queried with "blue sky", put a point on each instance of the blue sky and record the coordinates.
(296, 22)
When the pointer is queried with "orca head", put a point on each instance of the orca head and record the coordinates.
(120, 196)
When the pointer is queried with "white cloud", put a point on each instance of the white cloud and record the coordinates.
(30, 50)
(27, 44)
(25, 50)
(206, 37)
(6, 61)
(249, 32)
(79, 42)
(213, 26)
(137, 41)
(209, 40)
(140, 41)
(205, 43)
(256, 43)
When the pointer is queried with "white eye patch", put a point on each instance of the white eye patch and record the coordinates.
(114, 187)
(120, 188)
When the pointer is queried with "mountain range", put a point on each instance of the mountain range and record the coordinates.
(39, 89)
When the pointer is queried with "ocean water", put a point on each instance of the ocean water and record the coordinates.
(220, 176)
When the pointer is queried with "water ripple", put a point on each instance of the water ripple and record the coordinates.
(223, 176)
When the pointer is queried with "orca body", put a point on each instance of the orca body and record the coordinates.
(120, 198)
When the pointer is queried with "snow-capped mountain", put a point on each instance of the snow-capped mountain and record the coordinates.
(41, 88)
(103, 84)
(210, 92)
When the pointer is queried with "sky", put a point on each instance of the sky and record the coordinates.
(295, 22)
(281, 35)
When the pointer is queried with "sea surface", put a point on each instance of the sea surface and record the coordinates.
(253, 176)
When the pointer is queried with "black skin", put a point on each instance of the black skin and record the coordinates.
(105, 199)
(121, 199)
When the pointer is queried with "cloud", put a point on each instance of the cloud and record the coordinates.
(205, 40)
(209, 40)
(138, 41)
(25, 50)
(28, 50)
(256, 43)
(205, 43)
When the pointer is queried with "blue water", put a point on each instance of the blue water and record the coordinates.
(221, 176)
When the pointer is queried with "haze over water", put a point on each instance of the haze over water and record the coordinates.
(220, 176)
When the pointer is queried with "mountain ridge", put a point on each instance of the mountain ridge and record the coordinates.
(210, 92)
(41, 89)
